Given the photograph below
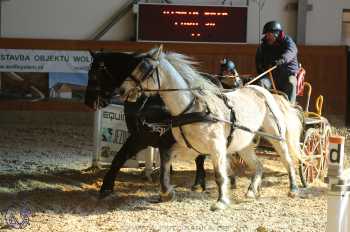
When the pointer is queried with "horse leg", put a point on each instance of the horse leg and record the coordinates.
(167, 192)
(199, 183)
(132, 145)
(231, 172)
(233, 181)
(165, 143)
(282, 149)
(221, 179)
(250, 158)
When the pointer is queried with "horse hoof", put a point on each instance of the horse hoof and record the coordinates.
(293, 194)
(219, 205)
(250, 194)
(165, 197)
(198, 188)
(105, 193)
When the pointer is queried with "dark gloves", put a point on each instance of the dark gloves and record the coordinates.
(279, 62)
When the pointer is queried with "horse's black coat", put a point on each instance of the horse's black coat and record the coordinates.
(107, 73)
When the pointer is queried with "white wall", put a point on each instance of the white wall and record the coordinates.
(79, 19)
(66, 19)
(324, 22)
(272, 10)
(346, 28)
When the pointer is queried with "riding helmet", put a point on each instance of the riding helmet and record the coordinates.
(228, 65)
(272, 26)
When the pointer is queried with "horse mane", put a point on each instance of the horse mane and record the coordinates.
(185, 66)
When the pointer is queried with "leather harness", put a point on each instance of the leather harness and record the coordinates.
(185, 118)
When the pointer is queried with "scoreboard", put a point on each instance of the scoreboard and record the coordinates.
(191, 23)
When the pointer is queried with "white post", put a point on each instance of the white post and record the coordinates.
(338, 212)
(97, 125)
(149, 157)
(156, 156)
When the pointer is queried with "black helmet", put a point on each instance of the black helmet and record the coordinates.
(272, 26)
(228, 65)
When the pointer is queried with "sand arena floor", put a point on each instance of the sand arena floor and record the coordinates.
(41, 177)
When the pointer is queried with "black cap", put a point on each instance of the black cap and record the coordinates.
(272, 26)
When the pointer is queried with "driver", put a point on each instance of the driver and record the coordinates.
(279, 49)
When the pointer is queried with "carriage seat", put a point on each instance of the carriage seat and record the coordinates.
(300, 80)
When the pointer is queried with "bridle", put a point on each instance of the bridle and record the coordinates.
(144, 70)
(106, 73)
(150, 69)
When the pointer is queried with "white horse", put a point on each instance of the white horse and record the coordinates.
(184, 91)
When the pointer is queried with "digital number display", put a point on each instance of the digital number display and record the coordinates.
(166, 22)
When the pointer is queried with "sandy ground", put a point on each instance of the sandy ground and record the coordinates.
(43, 187)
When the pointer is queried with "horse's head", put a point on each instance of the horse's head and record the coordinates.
(106, 74)
(144, 76)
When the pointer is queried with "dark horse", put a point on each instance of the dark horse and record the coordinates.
(106, 74)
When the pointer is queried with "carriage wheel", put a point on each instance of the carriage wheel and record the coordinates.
(325, 147)
(314, 162)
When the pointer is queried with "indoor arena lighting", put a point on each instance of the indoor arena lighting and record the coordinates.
(167, 12)
(187, 23)
(210, 24)
(206, 13)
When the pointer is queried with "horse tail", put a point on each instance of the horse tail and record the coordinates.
(294, 118)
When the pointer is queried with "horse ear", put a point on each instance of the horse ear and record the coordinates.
(156, 54)
(92, 54)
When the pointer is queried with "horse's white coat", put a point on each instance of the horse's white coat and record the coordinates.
(254, 108)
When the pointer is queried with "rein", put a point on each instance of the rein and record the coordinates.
(193, 117)
(172, 90)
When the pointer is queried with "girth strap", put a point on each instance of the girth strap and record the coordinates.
(188, 118)
(186, 141)
(192, 117)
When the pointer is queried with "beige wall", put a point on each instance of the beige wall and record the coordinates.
(79, 19)
(346, 28)
(63, 19)
(324, 22)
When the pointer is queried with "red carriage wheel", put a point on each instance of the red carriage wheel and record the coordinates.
(314, 159)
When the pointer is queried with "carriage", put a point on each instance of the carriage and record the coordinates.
(315, 143)
(316, 132)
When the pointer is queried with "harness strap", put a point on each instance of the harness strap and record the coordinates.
(193, 117)
(232, 118)
(273, 114)
(186, 141)
(187, 118)
(188, 107)
(274, 117)
(158, 79)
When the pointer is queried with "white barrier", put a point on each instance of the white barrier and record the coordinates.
(110, 133)
(338, 200)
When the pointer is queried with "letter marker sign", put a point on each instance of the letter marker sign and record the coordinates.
(335, 156)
